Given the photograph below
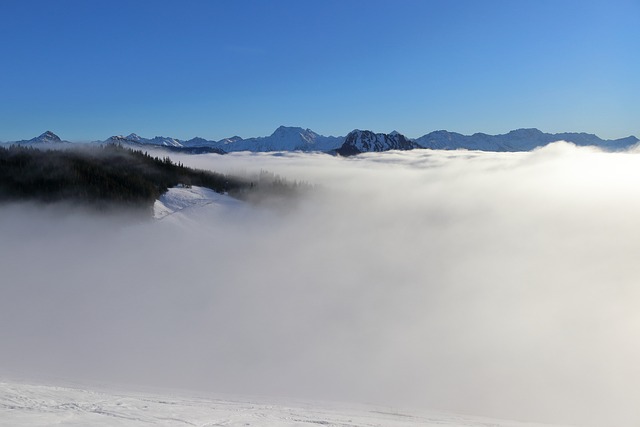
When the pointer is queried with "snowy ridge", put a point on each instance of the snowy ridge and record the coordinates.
(135, 139)
(282, 139)
(185, 203)
(47, 137)
(38, 405)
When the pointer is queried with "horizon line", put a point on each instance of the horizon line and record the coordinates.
(319, 134)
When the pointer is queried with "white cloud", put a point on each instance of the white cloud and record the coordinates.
(502, 284)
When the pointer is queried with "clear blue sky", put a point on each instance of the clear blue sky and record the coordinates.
(88, 69)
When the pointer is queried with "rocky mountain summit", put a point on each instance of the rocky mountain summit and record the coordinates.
(362, 141)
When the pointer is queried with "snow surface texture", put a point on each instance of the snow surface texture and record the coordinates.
(183, 203)
(26, 405)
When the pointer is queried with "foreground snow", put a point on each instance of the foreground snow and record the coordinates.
(39, 405)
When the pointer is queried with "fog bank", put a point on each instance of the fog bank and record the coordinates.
(499, 284)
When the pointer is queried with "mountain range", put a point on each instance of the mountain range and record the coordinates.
(358, 141)
(282, 139)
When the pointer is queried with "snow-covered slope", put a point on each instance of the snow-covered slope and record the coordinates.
(191, 203)
(362, 141)
(26, 405)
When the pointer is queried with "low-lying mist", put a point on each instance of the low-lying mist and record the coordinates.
(500, 284)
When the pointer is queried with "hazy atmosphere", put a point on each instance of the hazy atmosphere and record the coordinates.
(486, 283)
(424, 205)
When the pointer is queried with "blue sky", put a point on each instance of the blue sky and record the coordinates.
(88, 69)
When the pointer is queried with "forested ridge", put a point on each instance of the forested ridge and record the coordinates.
(107, 175)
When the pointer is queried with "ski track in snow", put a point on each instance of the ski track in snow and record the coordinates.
(43, 405)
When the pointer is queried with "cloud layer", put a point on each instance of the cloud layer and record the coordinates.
(503, 284)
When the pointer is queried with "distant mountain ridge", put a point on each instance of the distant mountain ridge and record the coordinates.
(47, 137)
(517, 140)
(282, 139)
(359, 141)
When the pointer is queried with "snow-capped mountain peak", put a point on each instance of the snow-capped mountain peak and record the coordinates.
(47, 138)
(284, 138)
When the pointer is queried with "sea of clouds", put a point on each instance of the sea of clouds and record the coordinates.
(499, 284)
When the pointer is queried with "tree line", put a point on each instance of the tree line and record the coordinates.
(111, 175)
(100, 175)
